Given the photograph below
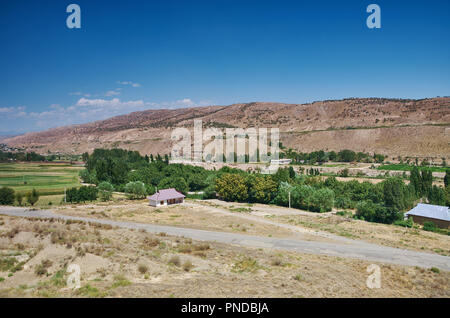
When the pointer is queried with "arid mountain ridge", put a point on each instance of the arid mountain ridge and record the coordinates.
(395, 127)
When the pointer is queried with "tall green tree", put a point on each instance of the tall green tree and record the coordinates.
(232, 187)
(321, 200)
(178, 183)
(437, 196)
(427, 181)
(261, 189)
(135, 190)
(447, 178)
(416, 181)
(105, 190)
(396, 194)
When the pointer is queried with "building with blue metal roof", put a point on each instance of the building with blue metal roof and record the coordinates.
(439, 215)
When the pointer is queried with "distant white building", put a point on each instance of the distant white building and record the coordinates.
(166, 197)
(280, 161)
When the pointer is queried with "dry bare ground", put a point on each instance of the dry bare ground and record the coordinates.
(382, 234)
(34, 255)
(184, 215)
(265, 220)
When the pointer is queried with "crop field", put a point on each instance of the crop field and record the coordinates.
(404, 167)
(48, 179)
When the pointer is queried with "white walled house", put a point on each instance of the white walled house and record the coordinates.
(166, 197)
(280, 161)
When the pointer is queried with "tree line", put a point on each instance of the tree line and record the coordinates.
(127, 171)
(321, 156)
(8, 196)
(20, 156)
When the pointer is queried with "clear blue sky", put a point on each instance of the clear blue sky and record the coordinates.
(133, 55)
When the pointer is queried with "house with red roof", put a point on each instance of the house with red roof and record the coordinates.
(166, 197)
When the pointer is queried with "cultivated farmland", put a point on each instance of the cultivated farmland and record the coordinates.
(49, 179)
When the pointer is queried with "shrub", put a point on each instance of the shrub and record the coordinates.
(429, 226)
(276, 262)
(19, 198)
(374, 212)
(435, 270)
(344, 173)
(201, 247)
(82, 194)
(185, 249)
(33, 197)
(142, 269)
(209, 192)
(41, 269)
(7, 263)
(6, 196)
(88, 291)
(187, 266)
(405, 223)
(58, 279)
(175, 260)
(347, 214)
(246, 264)
(120, 281)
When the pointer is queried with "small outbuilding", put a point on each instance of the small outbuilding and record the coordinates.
(439, 215)
(166, 197)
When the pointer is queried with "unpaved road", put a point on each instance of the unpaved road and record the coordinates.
(353, 249)
(259, 219)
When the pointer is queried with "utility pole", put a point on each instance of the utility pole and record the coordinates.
(289, 199)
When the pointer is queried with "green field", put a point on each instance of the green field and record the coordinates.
(404, 167)
(48, 179)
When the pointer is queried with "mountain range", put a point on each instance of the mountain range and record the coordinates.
(394, 127)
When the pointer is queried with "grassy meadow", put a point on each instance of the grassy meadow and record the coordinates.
(49, 179)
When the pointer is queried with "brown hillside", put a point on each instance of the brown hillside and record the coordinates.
(389, 126)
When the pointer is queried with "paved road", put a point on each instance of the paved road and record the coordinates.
(356, 249)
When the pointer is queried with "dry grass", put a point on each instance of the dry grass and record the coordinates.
(186, 216)
(120, 267)
(382, 234)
